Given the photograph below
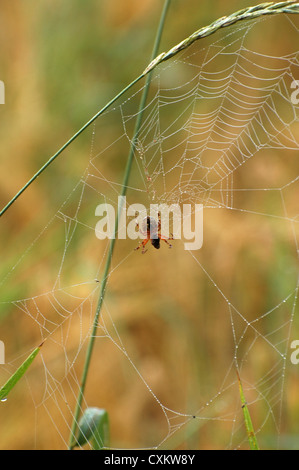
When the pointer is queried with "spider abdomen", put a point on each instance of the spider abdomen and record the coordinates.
(156, 242)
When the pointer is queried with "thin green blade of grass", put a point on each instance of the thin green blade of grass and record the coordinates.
(249, 13)
(112, 242)
(14, 379)
(247, 419)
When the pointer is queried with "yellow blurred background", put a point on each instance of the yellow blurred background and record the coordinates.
(173, 325)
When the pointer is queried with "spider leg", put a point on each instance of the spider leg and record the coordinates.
(161, 236)
(159, 221)
(166, 238)
(142, 244)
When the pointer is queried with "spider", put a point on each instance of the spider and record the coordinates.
(150, 228)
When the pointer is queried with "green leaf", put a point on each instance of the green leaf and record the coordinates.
(13, 380)
(248, 423)
(94, 428)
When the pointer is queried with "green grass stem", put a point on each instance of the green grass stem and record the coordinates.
(112, 242)
(250, 13)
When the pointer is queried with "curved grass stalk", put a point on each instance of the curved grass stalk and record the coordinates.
(250, 13)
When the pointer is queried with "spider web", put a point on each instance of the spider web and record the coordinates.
(219, 129)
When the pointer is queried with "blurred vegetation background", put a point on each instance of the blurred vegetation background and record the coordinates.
(61, 62)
